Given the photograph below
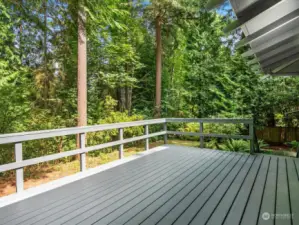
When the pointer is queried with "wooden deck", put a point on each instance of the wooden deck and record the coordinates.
(179, 186)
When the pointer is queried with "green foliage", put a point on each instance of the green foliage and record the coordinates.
(209, 128)
(236, 146)
(213, 143)
(112, 135)
(262, 144)
(203, 74)
(294, 145)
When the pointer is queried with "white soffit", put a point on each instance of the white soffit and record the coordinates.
(271, 28)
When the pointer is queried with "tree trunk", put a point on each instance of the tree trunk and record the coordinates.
(129, 100)
(158, 66)
(47, 78)
(45, 35)
(21, 35)
(122, 99)
(271, 120)
(82, 70)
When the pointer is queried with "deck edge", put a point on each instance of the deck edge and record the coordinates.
(16, 197)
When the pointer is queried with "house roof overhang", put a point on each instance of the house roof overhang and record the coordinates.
(271, 28)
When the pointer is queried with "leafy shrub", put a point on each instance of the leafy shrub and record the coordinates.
(112, 135)
(213, 128)
(210, 128)
(293, 145)
(262, 144)
(189, 127)
(212, 144)
(236, 145)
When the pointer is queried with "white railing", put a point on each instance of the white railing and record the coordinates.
(18, 138)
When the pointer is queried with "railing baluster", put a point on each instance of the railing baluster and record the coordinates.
(121, 147)
(165, 135)
(82, 155)
(19, 171)
(201, 138)
(146, 132)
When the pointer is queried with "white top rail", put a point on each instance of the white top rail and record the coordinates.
(35, 135)
(210, 120)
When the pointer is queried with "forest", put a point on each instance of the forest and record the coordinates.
(145, 59)
(203, 75)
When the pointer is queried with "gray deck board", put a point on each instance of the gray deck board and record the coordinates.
(158, 213)
(136, 194)
(157, 192)
(145, 209)
(79, 196)
(130, 210)
(182, 206)
(89, 183)
(220, 211)
(178, 186)
(135, 191)
(293, 190)
(190, 213)
(269, 197)
(253, 204)
(282, 195)
(203, 213)
(71, 208)
(236, 211)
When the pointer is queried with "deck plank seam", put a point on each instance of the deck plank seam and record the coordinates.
(146, 179)
(248, 197)
(185, 177)
(233, 165)
(204, 189)
(211, 214)
(190, 222)
(296, 170)
(187, 168)
(192, 187)
(223, 221)
(184, 195)
(92, 186)
(153, 174)
(263, 192)
(218, 158)
(95, 188)
(289, 193)
(275, 202)
(189, 191)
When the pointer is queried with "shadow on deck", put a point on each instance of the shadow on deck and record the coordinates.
(180, 185)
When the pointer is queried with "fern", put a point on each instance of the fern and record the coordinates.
(236, 146)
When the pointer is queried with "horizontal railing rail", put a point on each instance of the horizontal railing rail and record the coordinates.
(245, 137)
(202, 135)
(35, 135)
(18, 138)
(209, 120)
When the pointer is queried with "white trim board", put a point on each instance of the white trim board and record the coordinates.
(13, 198)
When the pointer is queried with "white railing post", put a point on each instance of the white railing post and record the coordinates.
(82, 155)
(251, 134)
(146, 132)
(201, 137)
(165, 135)
(19, 171)
(121, 147)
